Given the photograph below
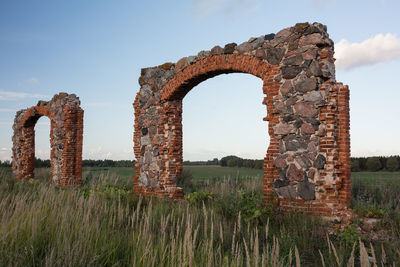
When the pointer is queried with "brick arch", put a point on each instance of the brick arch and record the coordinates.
(307, 166)
(183, 81)
(66, 133)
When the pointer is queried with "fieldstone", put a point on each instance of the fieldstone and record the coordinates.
(181, 64)
(282, 148)
(275, 55)
(203, 54)
(288, 191)
(145, 131)
(291, 101)
(314, 122)
(312, 147)
(283, 33)
(257, 42)
(290, 117)
(286, 87)
(328, 70)
(311, 174)
(260, 53)
(147, 157)
(295, 174)
(152, 130)
(156, 152)
(301, 27)
(217, 50)
(282, 173)
(313, 97)
(294, 60)
(289, 72)
(280, 162)
(269, 37)
(306, 190)
(312, 29)
(307, 128)
(319, 162)
(314, 69)
(310, 54)
(244, 47)
(191, 59)
(305, 110)
(229, 48)
(280, 183)
(303, 161)
(304, 84)
(145, 140)
(284, 128)
(321, 130)
(313, 39)
(143, 181)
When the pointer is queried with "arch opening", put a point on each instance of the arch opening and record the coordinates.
(42, 165)
(223, 116)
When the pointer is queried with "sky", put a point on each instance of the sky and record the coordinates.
(96, 49)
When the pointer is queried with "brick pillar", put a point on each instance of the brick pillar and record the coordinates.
(344, 144)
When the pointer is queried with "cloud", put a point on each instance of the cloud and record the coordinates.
(31, 80)
(375, 50)
(8, 95)
(205, 8)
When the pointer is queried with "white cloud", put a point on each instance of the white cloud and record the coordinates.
(205, 8)
(375, 50)
(31, 80)
(8, 95)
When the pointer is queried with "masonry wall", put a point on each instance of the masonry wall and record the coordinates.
(66, 135)
(307, 164)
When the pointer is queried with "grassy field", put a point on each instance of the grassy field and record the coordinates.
(224, 222)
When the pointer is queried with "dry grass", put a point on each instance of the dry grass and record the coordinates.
(103, 224)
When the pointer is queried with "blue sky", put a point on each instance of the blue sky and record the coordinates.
(96, 49)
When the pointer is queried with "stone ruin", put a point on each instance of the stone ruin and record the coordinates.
(307, 163)
(66, 133)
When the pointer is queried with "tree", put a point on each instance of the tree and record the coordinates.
(373, 164)
(392, 164)
(355, 165)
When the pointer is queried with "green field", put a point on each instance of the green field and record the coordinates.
(223, 222)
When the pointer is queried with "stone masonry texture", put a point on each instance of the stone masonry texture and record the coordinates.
(307, 164)
(66, 133)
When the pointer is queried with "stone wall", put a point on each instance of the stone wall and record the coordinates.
(66, 133)
(307, 165)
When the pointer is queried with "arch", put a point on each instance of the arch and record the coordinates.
(307, 165)
(66, 133)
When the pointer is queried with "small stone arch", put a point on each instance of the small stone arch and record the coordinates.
(307, 165)
(66, 134)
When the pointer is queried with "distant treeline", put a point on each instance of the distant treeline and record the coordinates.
(5, 163)
(45, 163)
(373, 164)
(229, 161)
(361, 164)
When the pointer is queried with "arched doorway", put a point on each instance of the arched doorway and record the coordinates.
(66, 133)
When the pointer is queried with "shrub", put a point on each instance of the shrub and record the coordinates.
(392, 164)
(373, 164)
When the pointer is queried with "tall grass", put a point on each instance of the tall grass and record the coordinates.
(103, 224)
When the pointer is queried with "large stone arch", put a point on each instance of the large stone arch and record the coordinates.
(307, 165)
(66, 133)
